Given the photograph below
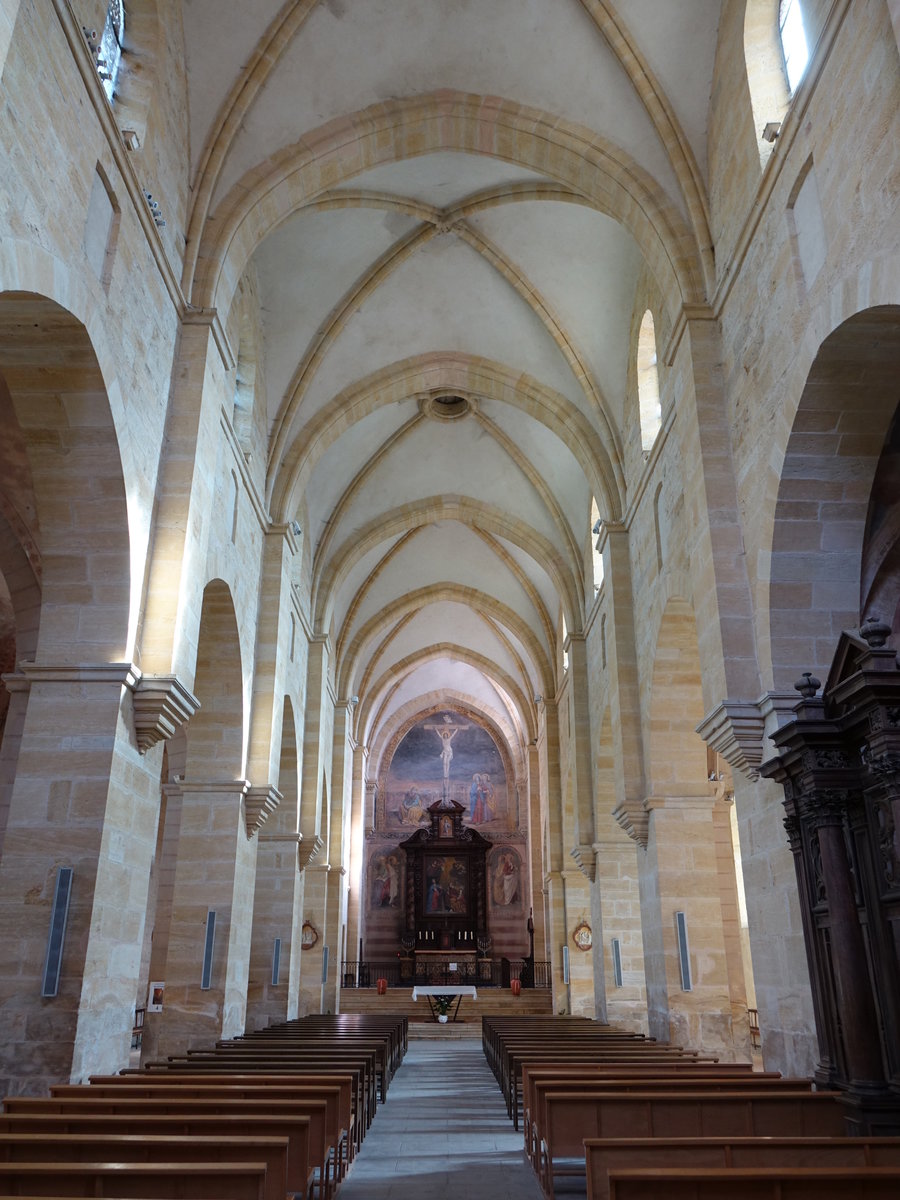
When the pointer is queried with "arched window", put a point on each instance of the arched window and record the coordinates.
(234, 506)
(109, 54)
(648, 383)
(793, 41)
(596, 557)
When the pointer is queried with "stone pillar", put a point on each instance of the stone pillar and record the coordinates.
(315, 906)
(82, 798)
(17, 686)
(624, 696)
(580, 747)
(186, 500)
(338, 850)
(214, 872)
(679, 873)
(355, 906)
(554, 885)
(536, 890)
(616, 913)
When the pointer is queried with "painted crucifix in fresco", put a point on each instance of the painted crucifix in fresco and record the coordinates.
(446, 732)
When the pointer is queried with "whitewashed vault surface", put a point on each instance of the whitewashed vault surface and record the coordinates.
(446, 206)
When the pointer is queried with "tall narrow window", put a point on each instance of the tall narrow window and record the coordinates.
(109, 56)
(793, 41)
(648, 383)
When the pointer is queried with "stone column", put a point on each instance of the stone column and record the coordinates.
(186, 504)
(338, 850)
(679, 873)
(82, 798)
(624, 697)
(214, 872)
(580, 747)
(554, 883)
(315, 907)
(617, 914)
(355, 906)
(536, 890)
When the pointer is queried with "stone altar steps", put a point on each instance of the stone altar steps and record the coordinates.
(491, 1002)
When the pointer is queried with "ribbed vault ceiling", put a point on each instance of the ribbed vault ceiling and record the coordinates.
(448, 198)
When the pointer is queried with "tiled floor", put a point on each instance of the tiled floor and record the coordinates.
(443, 1133)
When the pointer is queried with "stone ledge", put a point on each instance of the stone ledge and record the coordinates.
(736, 729)
(161, 705)
(259, 804)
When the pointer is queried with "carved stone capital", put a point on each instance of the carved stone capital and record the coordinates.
(737, 729)
(584, 857)
(635, 820)
(161, 704)
(307, 850)
(259, 804)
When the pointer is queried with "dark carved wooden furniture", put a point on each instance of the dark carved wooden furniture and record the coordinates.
(839, 765)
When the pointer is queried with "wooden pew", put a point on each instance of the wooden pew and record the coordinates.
(361, 1096)
(673, 1085)
(776, 1183)
(223, 1127)
(516, 1056)
(569, 1118)
(320, 1150)
(610, 1154)
(336, 1090)
(231, 1086)
(297, 1061)
(146, 1148)
(161, 1181)
(592, 1071)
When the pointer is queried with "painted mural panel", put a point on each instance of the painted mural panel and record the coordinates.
(505, 876)
(384, 879)
(446, 754)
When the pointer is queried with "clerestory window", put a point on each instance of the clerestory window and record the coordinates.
(793, 41)
(109, 54)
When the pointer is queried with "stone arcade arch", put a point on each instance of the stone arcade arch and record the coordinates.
(67, 565)
(826, 479)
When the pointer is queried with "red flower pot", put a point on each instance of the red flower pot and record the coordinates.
(381, 986)
(515, 986)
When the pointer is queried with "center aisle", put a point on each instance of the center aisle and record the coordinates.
(443, 1132)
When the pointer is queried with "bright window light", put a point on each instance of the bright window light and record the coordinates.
(793, 41)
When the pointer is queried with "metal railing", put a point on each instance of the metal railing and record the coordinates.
(406, 973)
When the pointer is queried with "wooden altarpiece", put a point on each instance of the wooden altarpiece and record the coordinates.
(446, 884)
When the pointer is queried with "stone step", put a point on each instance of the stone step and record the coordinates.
(491, 1002)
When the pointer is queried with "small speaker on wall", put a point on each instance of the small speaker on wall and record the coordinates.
(324, 964)
(617, 962)
(684, 958)
(565, 963)
(58, 917)
(208, 944)
(276, 961)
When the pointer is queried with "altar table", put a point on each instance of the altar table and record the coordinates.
(448, 990)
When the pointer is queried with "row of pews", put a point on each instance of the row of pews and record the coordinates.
(275, 1113)
(638, 1120)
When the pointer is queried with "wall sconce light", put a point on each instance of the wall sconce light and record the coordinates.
(771, 131)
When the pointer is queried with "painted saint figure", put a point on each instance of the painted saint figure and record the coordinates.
(505, 882)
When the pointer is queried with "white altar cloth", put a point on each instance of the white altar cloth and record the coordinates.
(448, 989)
